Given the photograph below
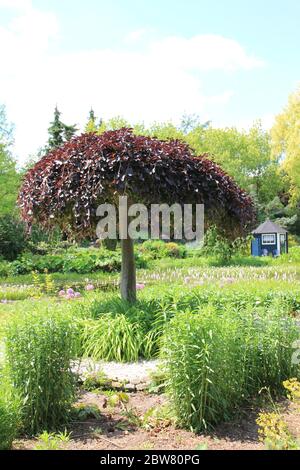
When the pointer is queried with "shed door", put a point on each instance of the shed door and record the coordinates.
(282, 243)
(255, 247)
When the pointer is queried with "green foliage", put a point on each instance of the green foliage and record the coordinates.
(285, 143)
(112, 338)
(274, 433)
(246, 156)
(216, 362)
(52, 441)
(39, 350)
(115, 330)
(9, 412)
(157, 249)
(59, 133)
(95, 381)
(72, 260)
(158, 381)
(293, 256)
(91, 125)
(159, 417)
(118, 399)
(12, 237)
(121, 331)
(9, 177)
(84, 412)
(215, 244)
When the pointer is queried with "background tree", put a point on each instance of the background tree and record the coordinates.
(69, 131)
(286, 143)
(245, 155)
(59, 133)
(9, 177)
(91, 125)
(66, 186)
(56, 131)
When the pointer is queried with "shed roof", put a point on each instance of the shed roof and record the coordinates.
(269, 227)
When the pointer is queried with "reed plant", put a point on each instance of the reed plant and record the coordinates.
(40, 347)
(218, 361)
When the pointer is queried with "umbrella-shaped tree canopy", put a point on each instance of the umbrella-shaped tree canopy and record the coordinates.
(66, 186)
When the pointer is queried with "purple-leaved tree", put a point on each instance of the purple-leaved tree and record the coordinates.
(66, 186)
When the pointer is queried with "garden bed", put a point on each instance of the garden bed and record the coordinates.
(113, 431)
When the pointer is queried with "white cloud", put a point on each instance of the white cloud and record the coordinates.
(266, 120)
(205, 52)
(16, 4)
(159, 83)
(135, 36)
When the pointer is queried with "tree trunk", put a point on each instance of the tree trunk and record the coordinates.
(128, 274)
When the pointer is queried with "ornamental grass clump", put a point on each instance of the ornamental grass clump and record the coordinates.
(9, 413)
(39, 351)
(112, 338)
(216, 362)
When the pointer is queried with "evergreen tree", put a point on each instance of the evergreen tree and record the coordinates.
(69, 131)
(59, 133)
(91, 125)
(56, 131)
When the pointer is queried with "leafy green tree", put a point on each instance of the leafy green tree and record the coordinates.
(244, 155)
(189, 122)
(9, 182)
(286, 143)
(113, 124)
(9, 177)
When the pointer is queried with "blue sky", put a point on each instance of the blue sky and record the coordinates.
(230, 61)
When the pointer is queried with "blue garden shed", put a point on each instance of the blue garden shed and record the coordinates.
(269, 240)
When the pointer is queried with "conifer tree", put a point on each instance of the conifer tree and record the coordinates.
(56, 131)
(69, 131)
(59, 133)
(91, 124)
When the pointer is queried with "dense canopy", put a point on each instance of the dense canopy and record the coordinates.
(67, 185)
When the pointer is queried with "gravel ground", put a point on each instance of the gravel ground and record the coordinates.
(134, 373)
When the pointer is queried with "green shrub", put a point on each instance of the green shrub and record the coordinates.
(216, 362)
(12, 237)
(9, 413)
(157, 249)
(218, 245)
(39, 350)
(5, 268)
(73, 260)
(293, 256)
(174, 250)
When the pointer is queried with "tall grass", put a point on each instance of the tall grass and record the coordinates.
(39, 350)
(119, 331)
(218, 361)
(9, 413)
